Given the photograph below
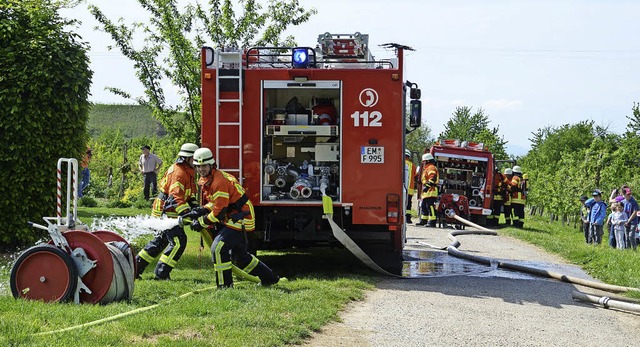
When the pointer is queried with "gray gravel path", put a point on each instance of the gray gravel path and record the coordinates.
(494, 308)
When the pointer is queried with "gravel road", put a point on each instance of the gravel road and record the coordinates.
(493, 308)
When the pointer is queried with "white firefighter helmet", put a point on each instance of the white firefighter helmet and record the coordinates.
(203, 156)
(508, 171)
(407, 152)
(427, 157)
(187, 150)
(517, 169)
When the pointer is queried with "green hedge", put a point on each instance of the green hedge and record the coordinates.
(44, 86)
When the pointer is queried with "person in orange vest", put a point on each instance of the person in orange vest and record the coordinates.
(517, 197)
(506, 202)
(227, 206)
(177, 197)
(410, 179)
(498, 199)
(430, 179)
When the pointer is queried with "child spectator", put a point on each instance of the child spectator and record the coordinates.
(618, 220)
(596, 216)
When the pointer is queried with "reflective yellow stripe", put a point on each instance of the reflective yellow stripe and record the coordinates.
(182, 207)
(210, 217)
(219, 195)
(146, 256)
(222, 267)
(168, 259)
(249, 224)
(165, 259)
(254, 262)
(176, 184)
(217, 261)
(433, 212)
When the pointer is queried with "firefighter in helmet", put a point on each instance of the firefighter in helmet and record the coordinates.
(410, 179)
(517, 197)
(429, 179)
(227, 206)
(498, 198)
(506, 203)
(176, 196)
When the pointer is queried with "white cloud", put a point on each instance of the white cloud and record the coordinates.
(501, 105)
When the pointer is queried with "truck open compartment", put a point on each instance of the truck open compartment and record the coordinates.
(301, 141)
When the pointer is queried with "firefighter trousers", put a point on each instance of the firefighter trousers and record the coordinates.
(173, 241)
(230, 248)
(507, 213)
(494, 218)
(428, 208)
(518, 214)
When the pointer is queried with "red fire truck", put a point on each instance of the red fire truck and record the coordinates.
(295, 124)
(466, 178)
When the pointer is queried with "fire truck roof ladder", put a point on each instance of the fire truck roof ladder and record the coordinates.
(226, 60)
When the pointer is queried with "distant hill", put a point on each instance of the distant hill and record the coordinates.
(132, 120)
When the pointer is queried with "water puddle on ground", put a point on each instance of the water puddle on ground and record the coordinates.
(437, 263)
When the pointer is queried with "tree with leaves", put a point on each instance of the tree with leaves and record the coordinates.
(171, 49)
(44, 87)
(474, 127)
(419, 139)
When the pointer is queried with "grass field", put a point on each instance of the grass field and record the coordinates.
(131, 120)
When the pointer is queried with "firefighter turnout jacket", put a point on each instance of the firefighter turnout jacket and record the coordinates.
(177, 189)
(515, 189)
(429, 179)
(227, 202)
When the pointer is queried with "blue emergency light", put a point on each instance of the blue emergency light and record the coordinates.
(300, 58)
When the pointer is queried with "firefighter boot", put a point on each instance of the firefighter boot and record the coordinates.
(141, 264)
(266, 275)
(422, 222)
(162, 271)
(408, 218)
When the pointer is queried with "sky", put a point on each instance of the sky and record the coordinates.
(527, 64)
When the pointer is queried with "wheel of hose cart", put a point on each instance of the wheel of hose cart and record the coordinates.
(99, 278)
(110, 236)
(44, 272)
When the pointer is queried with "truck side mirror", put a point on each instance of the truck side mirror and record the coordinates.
(415, 113)
(414, 93)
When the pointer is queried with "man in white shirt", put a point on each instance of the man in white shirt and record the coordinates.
(149, 165)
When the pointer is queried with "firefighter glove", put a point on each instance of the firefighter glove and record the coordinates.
(198, 224)
(199, 211)
(240, 215)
